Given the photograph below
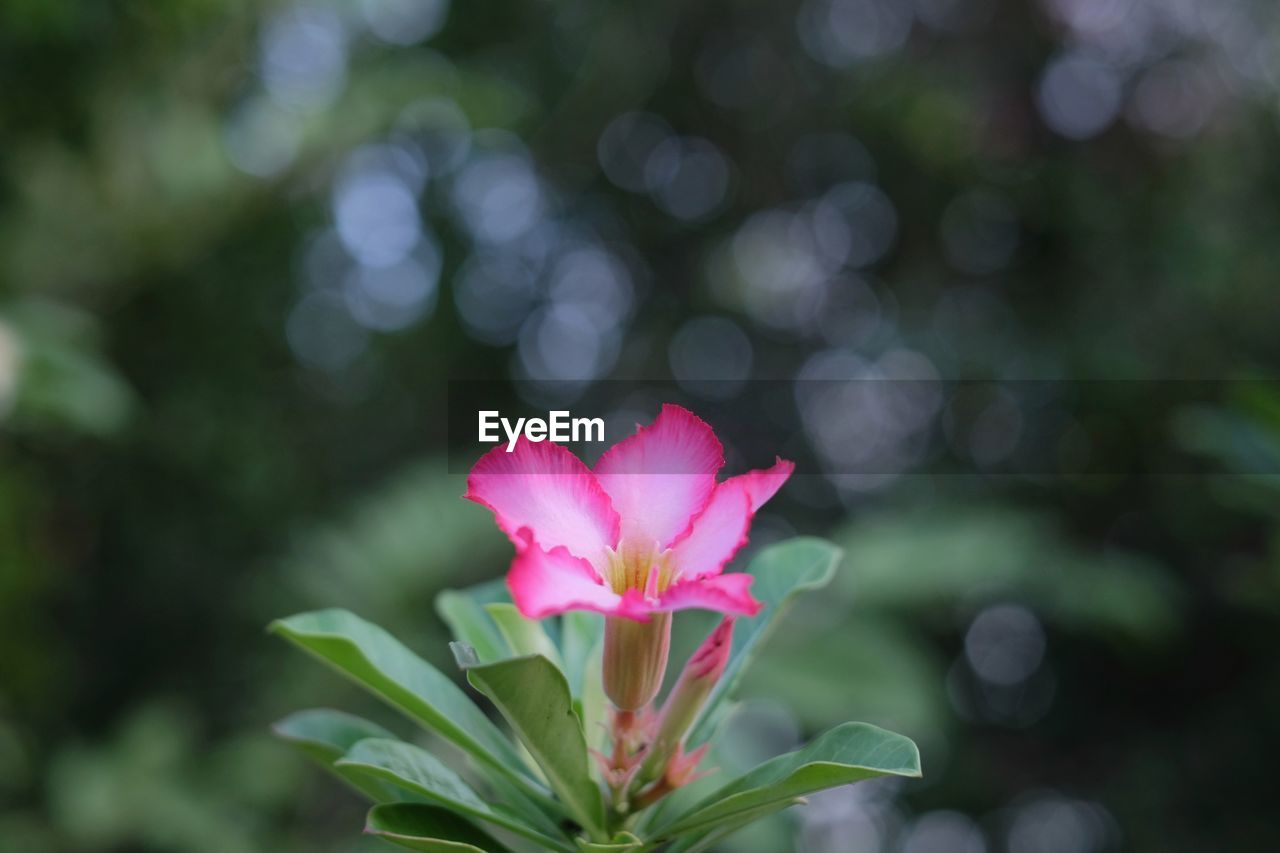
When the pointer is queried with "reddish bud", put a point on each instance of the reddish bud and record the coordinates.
(686, 699)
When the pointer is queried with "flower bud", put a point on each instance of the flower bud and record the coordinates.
(635, 659)
(686, 699)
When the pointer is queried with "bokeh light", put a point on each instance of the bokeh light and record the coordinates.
(494, 294)
(497, 195)
(1005, 644)
(261, 138)
(842, 32)
(323, 334)
(1079, 95)
(404, 22)
(303, 56)
(687, 177)
(1050, 823)
(626, 146)
(711, 357)
(943, 832)
(10, 366)
(376, 214)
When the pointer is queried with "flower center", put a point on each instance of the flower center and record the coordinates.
(639, 565)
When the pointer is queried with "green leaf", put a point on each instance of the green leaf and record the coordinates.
(378, 662)
(325, 735)
(582, 651)
(699, 842)
(414, 769)
(581, 632)
(848, 753)
(524, 636)
(622, 841)
(469, 624)
(427, 828)
(781, 571)
(593, 702)
(533, 696)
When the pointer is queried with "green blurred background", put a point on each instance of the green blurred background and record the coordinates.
(244, 245)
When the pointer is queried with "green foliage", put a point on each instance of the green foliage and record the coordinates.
(849, 753)
(51, 355)
(523, 636)
(418, 771)
(325, 735)
(472, 624)
(427, 828)
(374, 659)
(533, 696)
(530, 688)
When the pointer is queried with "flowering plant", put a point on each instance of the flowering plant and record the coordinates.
(574, 657)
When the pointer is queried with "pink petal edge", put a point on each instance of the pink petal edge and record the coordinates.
(764, 483)
(544, 583)
(728, 594)
(660, 478)
(715, 535)
(721, 529)
(545, 488)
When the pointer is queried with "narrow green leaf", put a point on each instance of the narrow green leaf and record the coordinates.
(378, 662)
(469, 624)
(524, 636)
(427, 828)
(848, 753)
(582, 651)
(581, 632)
(325, 735)
(414, 769)
(533, 696)
(593, 701)
(781, 571)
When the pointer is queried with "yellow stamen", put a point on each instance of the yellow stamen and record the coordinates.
(638, 565)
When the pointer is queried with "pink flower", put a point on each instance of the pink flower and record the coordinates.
(649, 531)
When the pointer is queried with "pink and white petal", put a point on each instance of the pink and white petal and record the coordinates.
(660, 478)
(723, 593)
(764, 483)
(544, 487)
(544, 583)
(716, 535)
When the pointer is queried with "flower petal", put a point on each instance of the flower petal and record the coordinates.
(764, 483)
(544, 487)
(660, 478)
(723, 593)
(544, 583)
(717, 534)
